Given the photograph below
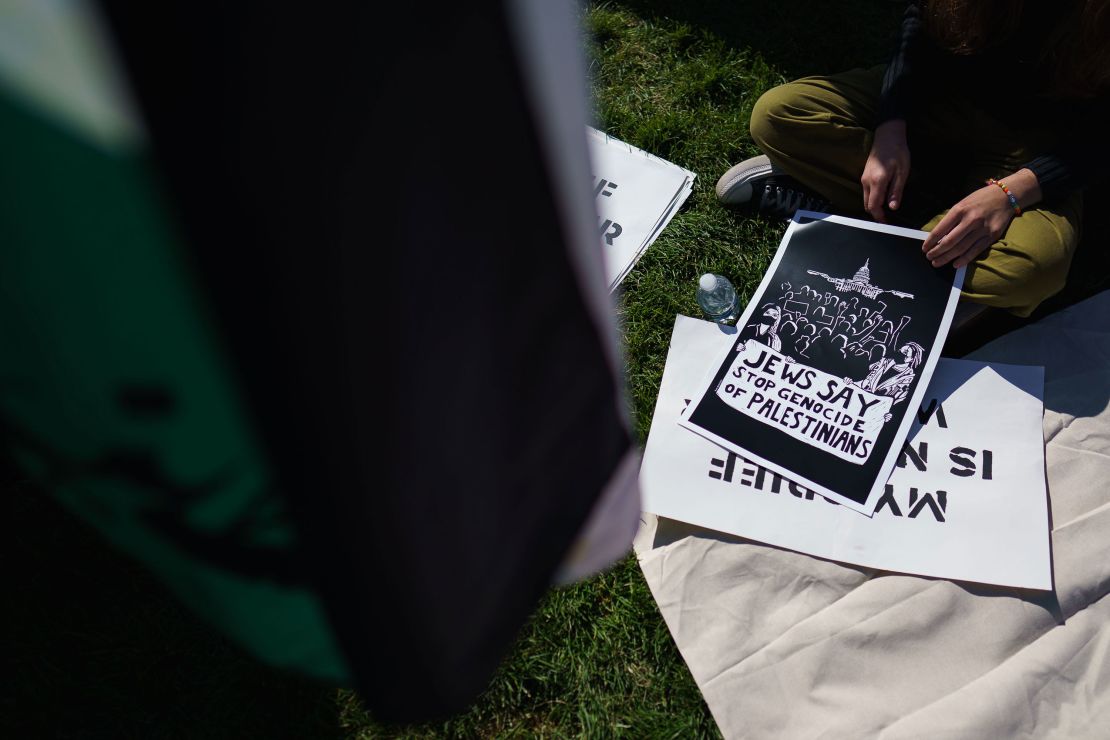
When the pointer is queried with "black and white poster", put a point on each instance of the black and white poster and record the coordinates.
(832, 356)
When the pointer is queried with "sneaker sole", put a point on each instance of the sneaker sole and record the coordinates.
(734, 188)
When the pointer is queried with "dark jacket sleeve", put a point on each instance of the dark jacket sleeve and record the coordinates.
(896, 97)
(1083, 157)
(1058, 175)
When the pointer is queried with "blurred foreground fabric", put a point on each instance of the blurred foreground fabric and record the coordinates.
(310, 317)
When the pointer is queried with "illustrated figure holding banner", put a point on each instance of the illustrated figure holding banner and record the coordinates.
(767, 330)
(890, 378)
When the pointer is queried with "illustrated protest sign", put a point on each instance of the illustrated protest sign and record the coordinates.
(834, 351)
(636, 194)
(966, 499)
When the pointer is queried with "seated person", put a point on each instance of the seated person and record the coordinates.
(1001, 102)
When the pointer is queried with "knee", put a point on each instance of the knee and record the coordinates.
(775, 116)
(1024, 269)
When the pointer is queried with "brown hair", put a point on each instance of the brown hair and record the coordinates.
(1077, 51)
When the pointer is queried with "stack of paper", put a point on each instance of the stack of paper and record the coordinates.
(637, 194)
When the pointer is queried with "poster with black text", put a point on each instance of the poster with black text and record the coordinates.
(636, 194)
(832, 356)
(966, 500)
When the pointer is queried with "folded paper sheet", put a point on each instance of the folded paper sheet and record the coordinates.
(786, 645)
(966, 499)
(637, 195)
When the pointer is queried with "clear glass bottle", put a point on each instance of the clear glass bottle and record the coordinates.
(718, 299)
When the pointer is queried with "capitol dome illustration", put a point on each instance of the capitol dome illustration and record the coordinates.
(860, 283)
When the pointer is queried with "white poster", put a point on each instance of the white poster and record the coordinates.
(637, 194)
(966, 500)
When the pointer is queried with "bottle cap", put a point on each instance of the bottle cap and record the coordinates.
(708, 282)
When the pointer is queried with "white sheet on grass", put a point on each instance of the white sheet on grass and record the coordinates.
(965, 501)
(784, 645)
(637, 195)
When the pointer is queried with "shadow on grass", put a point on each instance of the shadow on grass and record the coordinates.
(797, 37)
(95, 647)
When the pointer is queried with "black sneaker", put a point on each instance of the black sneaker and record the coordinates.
(755, 185)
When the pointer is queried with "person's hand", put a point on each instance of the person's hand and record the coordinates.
(969, 228)
(886, 170)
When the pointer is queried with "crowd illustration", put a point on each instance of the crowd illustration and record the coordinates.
(850, 334)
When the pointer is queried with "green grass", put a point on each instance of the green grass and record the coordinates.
(595, 660)
(677, 79)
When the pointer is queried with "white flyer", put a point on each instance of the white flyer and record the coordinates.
(966, 501)
(636, 194)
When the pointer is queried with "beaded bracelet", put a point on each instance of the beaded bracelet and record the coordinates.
(1012, 198)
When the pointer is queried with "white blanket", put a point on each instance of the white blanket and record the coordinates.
(785, 645)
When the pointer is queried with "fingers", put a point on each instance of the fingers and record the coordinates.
(960, 246)
(963, 252)
(897, 184)
(949, 240)
(952, 245)
(980, 246)
(969, 228)
(873, 199)
(950, 219)
(874, 181)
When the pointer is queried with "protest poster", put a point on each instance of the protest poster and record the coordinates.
(636, 194)
(966, 500)
(834, 351)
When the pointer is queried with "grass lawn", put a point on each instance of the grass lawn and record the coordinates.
(103, 651)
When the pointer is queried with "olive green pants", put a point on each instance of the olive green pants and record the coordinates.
(819, 130)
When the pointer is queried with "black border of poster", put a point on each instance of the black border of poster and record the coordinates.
(842, 263)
